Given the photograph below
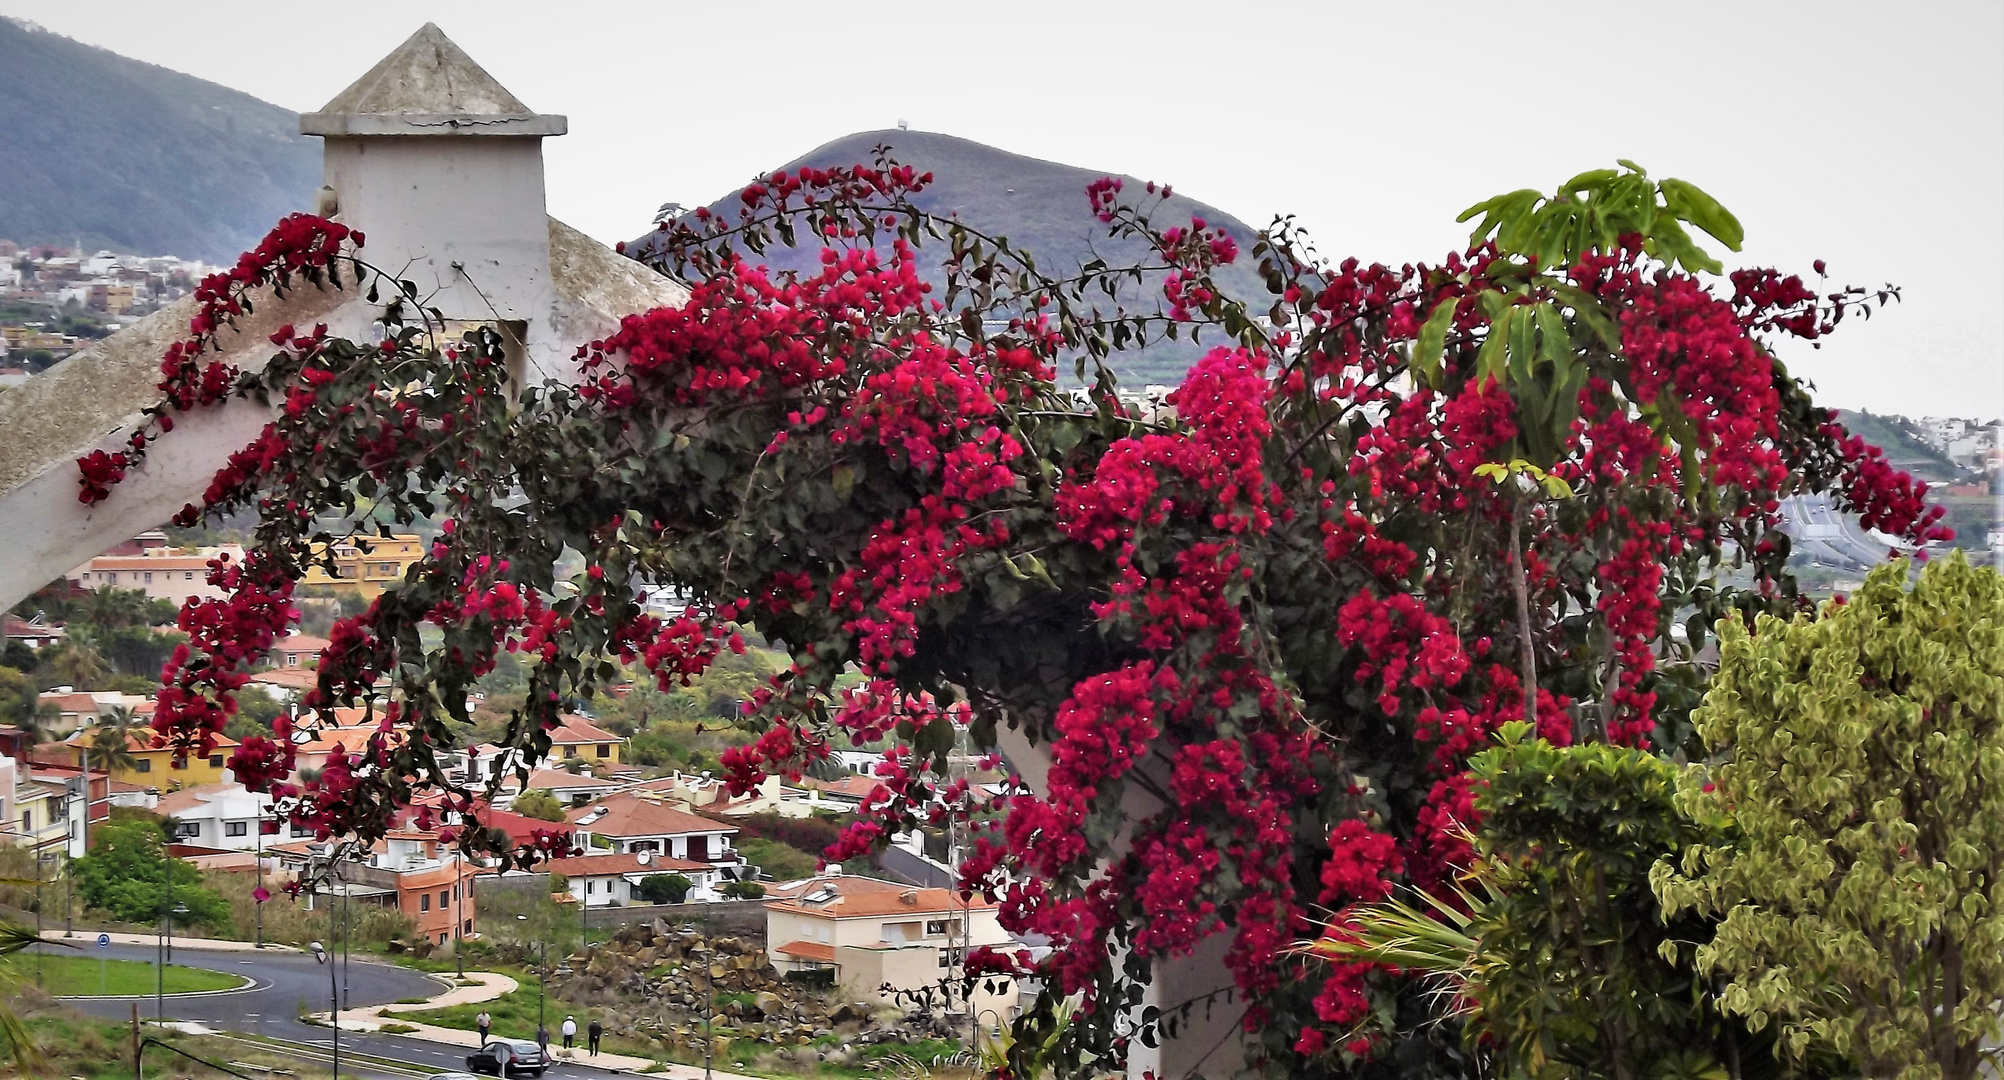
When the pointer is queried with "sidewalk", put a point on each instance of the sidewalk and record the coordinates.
(492, 985)
(88, 938)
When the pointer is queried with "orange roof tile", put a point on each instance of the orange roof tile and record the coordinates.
(809, 950)
(576, 729)
(858, 897)
(300, 643)
(630, 815)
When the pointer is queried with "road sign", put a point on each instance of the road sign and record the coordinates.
(104, 941)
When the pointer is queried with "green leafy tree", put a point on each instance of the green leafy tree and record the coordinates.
(538, 803)
(664, 888)
(128, 875)
(1558, 952)
(1859, 753)
(21, 704)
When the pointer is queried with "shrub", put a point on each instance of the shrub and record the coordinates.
(664, 888)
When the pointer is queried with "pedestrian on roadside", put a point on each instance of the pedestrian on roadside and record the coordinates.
(593, 1033)
(570, 1030)
(543, 1040)
(484, 1022)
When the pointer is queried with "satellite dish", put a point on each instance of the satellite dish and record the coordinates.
(904, 124)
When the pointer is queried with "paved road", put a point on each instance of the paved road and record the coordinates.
(289, 984)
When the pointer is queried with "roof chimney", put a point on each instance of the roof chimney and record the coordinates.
(442, 168)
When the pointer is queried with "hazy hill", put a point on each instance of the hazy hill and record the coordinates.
(1902, 443)
(130, 156)
(1039, 206)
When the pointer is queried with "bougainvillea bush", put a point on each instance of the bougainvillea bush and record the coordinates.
(1257, 627)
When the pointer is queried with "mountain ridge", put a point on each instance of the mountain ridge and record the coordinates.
(123, 154)
(1040, 206)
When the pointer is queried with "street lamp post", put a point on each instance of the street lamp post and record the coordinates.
(542, 974)
(322, 956)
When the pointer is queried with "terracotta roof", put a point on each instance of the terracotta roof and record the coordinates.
(577, 729)
(188, 798)
(295, 678)
(140, 741)
(150, 562)
(555, 779)
(630, 815)
(809, 950)
(597, 865)
(300, 643)
(69, 703)
(852, 787)
(859, 897)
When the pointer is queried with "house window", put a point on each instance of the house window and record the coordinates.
(604, 749)
(935, 927)
(424, 902)
(292, 659)
(177, 763)
(442, 894)
(468, 928)
(187, 575)
(300, 830)
(215, 761)
(236, 828)
(149, 577)
(570, 751)
(27, 821)
(187, 830)
(590, 886)
(143, 765)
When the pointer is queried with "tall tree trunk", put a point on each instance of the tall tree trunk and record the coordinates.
(1526, 649)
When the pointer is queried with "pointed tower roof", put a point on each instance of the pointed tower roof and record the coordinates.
(428, 86)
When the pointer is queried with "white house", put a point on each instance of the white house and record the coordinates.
(633, 823)
(225, 816)
(871, 934)
(608, 880)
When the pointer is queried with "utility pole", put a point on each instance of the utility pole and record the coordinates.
(257, 803)
(709, 990)
(459, 921)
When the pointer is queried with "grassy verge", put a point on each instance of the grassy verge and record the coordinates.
(78, 1046)
(63, 976)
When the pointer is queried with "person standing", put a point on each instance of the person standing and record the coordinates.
(593, 1033)
(483, 1022)
(543, 1040)
(570, 1030)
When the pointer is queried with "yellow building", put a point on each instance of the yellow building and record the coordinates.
(155, 767)
(365, 572)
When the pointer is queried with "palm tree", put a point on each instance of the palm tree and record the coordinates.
(111, 742)
(77, 662)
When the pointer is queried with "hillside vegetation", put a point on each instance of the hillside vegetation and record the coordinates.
(1040, 206)
(1902, 443)
(129, 156)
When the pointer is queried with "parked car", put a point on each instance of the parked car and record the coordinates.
(508, 1057)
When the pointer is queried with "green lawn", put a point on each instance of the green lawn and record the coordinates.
(78, 975)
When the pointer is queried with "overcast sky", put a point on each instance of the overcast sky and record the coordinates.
(1870, 135)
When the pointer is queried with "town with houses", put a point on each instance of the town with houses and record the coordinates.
(54, 301)
(641, 835)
